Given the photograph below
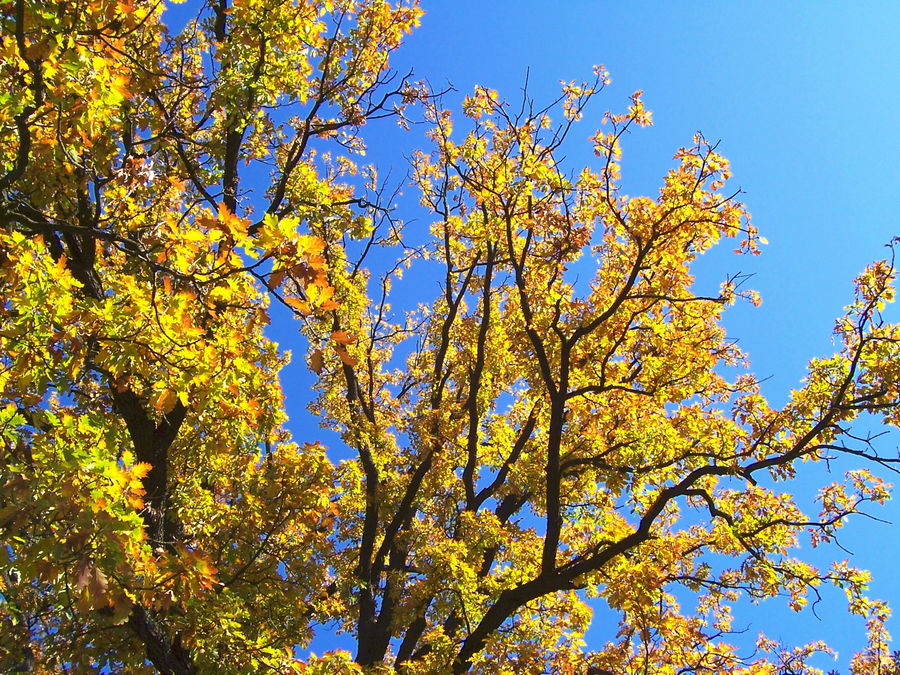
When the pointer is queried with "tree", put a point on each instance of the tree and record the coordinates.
(526, 441)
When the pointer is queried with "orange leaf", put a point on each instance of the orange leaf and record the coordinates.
(275, 279)
(342, 337)
(165, 400)
(296, 303)
(345, 357)
(140, 470)
(317, 361)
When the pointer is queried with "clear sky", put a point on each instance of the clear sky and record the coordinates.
(804, 98)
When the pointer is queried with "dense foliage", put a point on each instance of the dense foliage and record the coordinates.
(563, 424)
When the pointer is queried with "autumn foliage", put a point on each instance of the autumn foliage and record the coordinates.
(566, 423)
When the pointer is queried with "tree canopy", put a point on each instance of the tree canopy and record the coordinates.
(566, 423)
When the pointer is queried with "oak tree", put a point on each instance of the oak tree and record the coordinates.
(562, 426)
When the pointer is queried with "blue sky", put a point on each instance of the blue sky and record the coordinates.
(804, 98)
(799, 95)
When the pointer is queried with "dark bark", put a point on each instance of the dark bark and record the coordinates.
(168, 656)
(151, 443)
